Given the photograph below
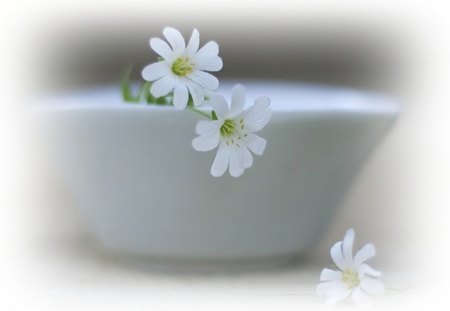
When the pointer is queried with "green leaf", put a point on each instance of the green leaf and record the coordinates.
(125, 86)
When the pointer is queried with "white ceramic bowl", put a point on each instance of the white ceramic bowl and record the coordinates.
(144, 190)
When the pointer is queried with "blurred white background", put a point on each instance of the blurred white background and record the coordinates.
(399, 201)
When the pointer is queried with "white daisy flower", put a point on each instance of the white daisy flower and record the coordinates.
(183, 68)
(353, 278)
(233, 132)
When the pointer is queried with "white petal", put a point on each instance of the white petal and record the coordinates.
(347, 247)
(371, 286)
(209, 49)
(336, 255)
(236, 162)
(208, 94)
(237, 100)
(360, 298)
(162, 48)
(204, 79)
(221, 161)
(208, 63)
(207, 128)
(180, 96)
(155, 71)
(255, 143)
(220, 106)
(323, 288)
(257, 116)
(365, 269)
(194, 42)
(206, 143)
(248, 158)
(365, 253)
(337, 293)
(163, 86)
(196, 93)
(264, 101)
(175, 39)
(241, 154)
(330, 275)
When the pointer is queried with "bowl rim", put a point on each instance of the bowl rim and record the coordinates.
(307, 96)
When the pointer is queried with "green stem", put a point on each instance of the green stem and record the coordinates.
(200, 112)
(144, 90)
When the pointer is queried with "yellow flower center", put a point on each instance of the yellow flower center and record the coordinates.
(350, 278)
(227, 128)
(182, 66)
